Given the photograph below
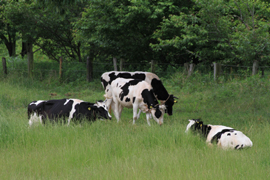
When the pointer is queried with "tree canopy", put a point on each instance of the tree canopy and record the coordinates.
(200, 31)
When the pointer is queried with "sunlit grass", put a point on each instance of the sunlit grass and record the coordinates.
(110, 150)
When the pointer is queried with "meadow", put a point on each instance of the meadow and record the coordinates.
(111, 150)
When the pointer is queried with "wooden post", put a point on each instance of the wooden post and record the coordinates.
(186, 68)
(153, 66)
(121, 64)
(89, 67)
(60, 67)
(4, 66)
(30, 59)
(255, 67)
(191, 69)
(217, 70)
(115, 63)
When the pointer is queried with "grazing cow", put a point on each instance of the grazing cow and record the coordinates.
(136, 94)
(39, 111)
(225, 137)
(159, 90)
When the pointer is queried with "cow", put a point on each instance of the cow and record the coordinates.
(39, 111)
(225, 137)
(159, 90)
(136, 94)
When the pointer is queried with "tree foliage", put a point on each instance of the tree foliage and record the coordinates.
(228, 31)
(225, 31)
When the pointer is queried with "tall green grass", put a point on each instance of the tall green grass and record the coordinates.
(110, 150)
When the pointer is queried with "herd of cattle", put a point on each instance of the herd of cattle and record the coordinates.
(142, 91)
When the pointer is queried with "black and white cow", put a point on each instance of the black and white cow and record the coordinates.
(136, 94)
(225, 137)
(39, 111)
(159, 90)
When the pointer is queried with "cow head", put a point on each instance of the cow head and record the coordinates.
(169, 103)
(158, 113)
(102, 109)
(194, 124)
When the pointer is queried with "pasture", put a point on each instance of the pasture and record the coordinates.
(110, 150)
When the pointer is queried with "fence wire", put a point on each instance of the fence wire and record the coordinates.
(78, 70)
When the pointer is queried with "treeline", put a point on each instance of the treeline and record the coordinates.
(167, 31)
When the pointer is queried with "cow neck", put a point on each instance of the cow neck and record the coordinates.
(163, 102)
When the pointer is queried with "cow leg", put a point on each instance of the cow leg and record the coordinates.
(117, 111)
(148, 116)
(135, 110)
(34, 118)
(139, 113)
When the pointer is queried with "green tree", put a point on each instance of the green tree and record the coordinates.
(228, 31)
(7, 31)
(124, 28)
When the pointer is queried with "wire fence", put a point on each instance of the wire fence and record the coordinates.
(72, 71)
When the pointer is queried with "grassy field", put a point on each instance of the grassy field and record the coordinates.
(110, 150)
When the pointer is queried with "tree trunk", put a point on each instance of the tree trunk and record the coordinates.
(24, 49)
(115, 64)
(89, 65)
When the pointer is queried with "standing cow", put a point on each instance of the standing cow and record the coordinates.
(39, 111)
(225, 137)
(159, 90)
(136, 94)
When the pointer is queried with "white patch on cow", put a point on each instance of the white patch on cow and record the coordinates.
(191, 122)
(234, 140)
(73, 110)
(36, 103)
(67, 100)
(34, 118)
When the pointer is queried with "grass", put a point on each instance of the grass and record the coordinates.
(110, 150)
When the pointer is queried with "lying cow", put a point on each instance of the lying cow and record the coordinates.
(159, 90)
(225, 137)
(39, 111)
(136, 94)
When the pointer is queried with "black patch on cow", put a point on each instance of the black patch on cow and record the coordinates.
(201, 128)
(217, 136)
(158, 113)
(149, 98)
(162, 94)
(126, 75)
(105, 83)
(125, 87)
(159, 89)
(229, 134)
(134, 98)
(237, 147)
(127, 99)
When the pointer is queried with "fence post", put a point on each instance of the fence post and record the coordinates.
(153, 66)
(217, 70)
(4, 66)
(60, 67)
(89, 67)
(186, 67)
(121, 64)
(191, 69)
(255, 67)
(115, 63)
